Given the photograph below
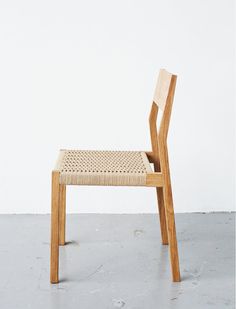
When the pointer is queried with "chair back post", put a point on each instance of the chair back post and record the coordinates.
(163, 100)
(154, 136)
(165, 121)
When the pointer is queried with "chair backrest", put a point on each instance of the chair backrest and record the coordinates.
(162, 88)
(163, 99)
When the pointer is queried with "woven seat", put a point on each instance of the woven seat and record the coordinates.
(107, 168)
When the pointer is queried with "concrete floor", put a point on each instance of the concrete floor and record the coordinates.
(117, 261)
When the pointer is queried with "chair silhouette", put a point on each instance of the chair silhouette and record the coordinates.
(121, 168)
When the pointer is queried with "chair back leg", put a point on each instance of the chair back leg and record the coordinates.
(170, 216)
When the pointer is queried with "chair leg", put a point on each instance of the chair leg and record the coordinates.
(54, 260)
(161, 207)
(62, 215)
(162, 216)
(170, 220)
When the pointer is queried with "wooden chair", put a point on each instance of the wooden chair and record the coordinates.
(121, 168)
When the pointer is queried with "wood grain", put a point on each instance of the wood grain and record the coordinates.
(162, 88)
(154, 180)
(54, 260)
(154, 158)
(163, 98)
(167, 190)
(62, 215)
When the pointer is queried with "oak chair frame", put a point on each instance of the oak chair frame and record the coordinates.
(160, 179)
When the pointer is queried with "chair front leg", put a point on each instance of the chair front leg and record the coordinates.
(161, 207)
(54, 260)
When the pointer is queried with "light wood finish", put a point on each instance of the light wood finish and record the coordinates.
(162, 88)
(62, 215)
(54, 261)
(154, 158)
(154, 180)
(169, 211)
(167, 191)
(162, 216)
(142, 175)
(163, 98)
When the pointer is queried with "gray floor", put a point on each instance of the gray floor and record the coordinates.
(117, 261)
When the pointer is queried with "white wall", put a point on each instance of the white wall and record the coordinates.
(81, 74)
